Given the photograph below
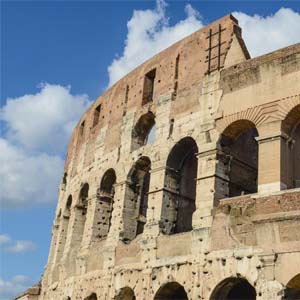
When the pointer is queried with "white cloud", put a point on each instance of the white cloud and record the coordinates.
(43, 121)
(38, 131)
(21, 247)
(27, 179)
(16, 246)
(269, 33)
(149, 32)
(17, 285)
(4, 239)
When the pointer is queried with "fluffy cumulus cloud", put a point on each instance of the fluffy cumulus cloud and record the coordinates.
(43, 121)
(264, 34)
(38, 128)
(149, 32)
(13, 287)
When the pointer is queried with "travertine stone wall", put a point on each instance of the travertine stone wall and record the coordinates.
(209, 92)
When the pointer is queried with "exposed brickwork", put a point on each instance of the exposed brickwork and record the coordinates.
(150, 180)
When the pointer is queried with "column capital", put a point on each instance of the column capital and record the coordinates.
(273, 136)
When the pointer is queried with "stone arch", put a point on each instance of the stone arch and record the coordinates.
(82, 207)
(292, 290)
(238, 158)
(105, 197)
(179, 188)
(233, 288)
(92, 296)
(67, 210)
(136, 199)
(144, 131)
(171, 290)
(291, 152)
(125, 293)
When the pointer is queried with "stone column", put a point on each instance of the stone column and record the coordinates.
(273, 159)
(117, 224)
(209, 187)
(155, 201)
(75, 230)
(61, 238)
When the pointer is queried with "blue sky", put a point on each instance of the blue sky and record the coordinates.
(57, 57)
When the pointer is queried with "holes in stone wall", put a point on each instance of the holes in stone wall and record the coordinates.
(239, 158)
(136, 199)
(179, 188)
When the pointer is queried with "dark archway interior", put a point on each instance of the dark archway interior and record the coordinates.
(106, 191)
(239, 156)
(67, 211)
(292, 291)
(84, 194)
(291, 127)
(180, 188)
(142, 130)
(234, 289)
(125, 293)
(105, 195)
(171, 290)
(92, 296)
(82, 205)
(136, 199)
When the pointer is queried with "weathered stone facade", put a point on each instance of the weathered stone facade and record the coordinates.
(182, 180)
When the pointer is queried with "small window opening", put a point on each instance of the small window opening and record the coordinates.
(96, 115)
(126, 93)
(81, 129)
(149, 86)
(177, 66)
(144, 131)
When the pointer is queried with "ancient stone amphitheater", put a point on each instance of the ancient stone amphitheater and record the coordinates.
(182, 180)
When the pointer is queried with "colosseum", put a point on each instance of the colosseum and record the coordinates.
(182, 181)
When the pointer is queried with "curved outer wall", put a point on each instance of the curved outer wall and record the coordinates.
(202, 85)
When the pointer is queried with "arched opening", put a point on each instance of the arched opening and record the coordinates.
(136, 199)
(239, 158)
(171, 290)
(67, 211)
(64, 180)
(64, 228)
(292, 290)
(105, 195)
(82, 206)
(180, 188)
(144, 131)
(92, 296)
(234, 289)
(291, 151)
(125, 293)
